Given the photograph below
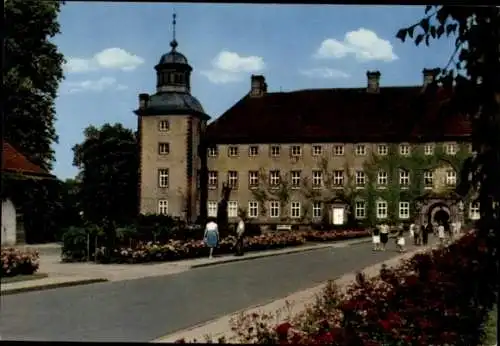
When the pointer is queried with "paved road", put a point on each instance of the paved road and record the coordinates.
(145, 309)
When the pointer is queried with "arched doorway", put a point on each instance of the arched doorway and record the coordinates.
(439, 213)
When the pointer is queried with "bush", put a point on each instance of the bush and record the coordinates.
(76, 245)
(17, 262)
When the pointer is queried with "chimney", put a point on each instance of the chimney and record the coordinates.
(373, 82)
(258, 86)
(429, 76)
(143, 101)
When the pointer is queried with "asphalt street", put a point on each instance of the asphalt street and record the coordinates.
(145, 309)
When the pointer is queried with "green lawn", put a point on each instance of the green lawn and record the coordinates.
(490, 329)
(17, 278)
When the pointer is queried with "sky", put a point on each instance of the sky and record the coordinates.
(111, 50)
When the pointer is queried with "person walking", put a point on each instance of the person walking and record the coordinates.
(400, 240)
(211, 236)
(441, 234)
(384, 235)
(426, 230)
(240, 231)
(376, 238)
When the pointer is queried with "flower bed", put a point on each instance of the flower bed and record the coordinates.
(17, 262)
(319, 236)
(438, 298)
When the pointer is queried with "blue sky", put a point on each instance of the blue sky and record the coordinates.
(111, 49)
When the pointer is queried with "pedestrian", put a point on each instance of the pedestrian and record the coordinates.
(417, 234)
(426, 230)
(441, 233)
(211, 236)
(384, 235)
(376, 238)
(240, 231)
(400, 240)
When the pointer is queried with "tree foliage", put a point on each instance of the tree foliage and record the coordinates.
(108, 163)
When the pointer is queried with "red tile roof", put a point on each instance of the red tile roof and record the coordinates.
(330, 115)
(14, 161)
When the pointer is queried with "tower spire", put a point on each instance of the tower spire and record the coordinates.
(173, 43)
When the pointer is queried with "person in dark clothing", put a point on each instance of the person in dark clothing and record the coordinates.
(426, 230)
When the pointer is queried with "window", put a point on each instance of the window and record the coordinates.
(382, 150)
(213, 178)
(295, 179)
(338, 178)
(253, 209)
(253, 150)
(163, 207)
(213, 152)
(404, 178)
(404, 149)
(232, 179)
(338, 150)
(295, 150)
(163, 126)
(360, 210)
(163, 148)
(317, 150)
(451, 177)
(212, 209)
(275, 150)
(232, 209)
(317, 179)
(232, 151)
(360, 149)
(381, 210)
(163, 178)
(474, 213)
(316, 209)
(360, 178)
(382, 178)
(428, 149)
(274, 209)
(295, 209)
(274, 178)
(451, 149)
(404, 210)
(428, 179)
(253, 179)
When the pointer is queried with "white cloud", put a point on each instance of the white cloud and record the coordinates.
(98, 85)
(110, 58)
(230, 67)
(364, 44)
(324, 72)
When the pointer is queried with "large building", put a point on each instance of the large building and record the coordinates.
(322, 155)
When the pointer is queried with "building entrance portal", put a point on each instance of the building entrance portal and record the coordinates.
(439, 215)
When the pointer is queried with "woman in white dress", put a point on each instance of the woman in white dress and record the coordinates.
(441, 234)
(401, 240)
(376, 238)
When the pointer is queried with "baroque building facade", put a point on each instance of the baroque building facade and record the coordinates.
(323, 155)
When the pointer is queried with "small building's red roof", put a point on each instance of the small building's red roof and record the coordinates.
(339, 115)
(15, 162)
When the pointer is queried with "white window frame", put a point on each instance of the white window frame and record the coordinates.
(232, 179)
(451, 149)
(295, 178)
(274, 178)
(429, 149)
(213, 151)
(163, 126)
(317, 179)
(213, 179)
(360, 209)
(382, 150)
(338, 177)
(253, 209)
(404, 149)
(381, 209)
(274, 209)
(404, 210)
(317, 150)
(163, 207)
(163, 177)
(295, 210)
(474, 211)
(253, 178)
(253, 150)
(404, 178)
(317, 210)
(360, 150)
(451, 177)
(338, 150)
(163, 148)
(275, 150)
(295, 151)
(428, 176)
(382, 178)
(360, 178)
(212, 208)
(233, 151)
(232, 209)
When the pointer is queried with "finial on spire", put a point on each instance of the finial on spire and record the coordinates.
(173, 44)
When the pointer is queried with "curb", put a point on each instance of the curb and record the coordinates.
(49, 286)
(287, 252)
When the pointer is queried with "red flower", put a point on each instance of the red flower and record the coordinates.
(282, 330)
(386, 325)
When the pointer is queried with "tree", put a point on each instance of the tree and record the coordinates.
(108, 163)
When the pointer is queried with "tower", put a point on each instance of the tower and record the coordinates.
(170, 126)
